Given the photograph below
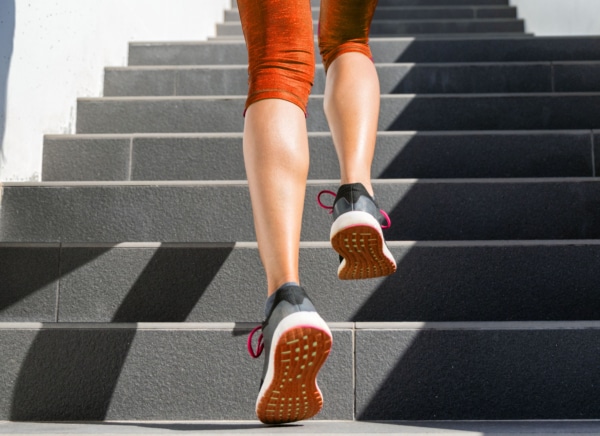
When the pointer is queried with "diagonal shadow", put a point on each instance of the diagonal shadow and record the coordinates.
(171, 285)
(7, 31)
(30, 270)
(466, 372)
(71, 374)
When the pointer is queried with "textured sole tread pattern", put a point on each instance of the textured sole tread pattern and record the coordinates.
(293, 394)
(362, 248)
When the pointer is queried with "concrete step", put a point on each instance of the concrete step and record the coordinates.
(399, 155)
(386, 50)
(415, 27)
(513, 77)
(422, 3)
(420, 36)
(201, 282)
(452, 209)
(555, 111)
(305, 428)
(420, 13)
(399, 371)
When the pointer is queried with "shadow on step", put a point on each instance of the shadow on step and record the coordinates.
(474, 373)
(71, 373)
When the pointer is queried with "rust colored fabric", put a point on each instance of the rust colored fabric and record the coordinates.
(344, 27)
(280, 42)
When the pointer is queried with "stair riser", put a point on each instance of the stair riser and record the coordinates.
(420, 211)
(415, 27)
(399, 155)
(388, 50)
(420, 3)
(124, 374)
(434, 282)
(113, 374)
(449, 375)
(383, 13)
(393, 79)
(463, 112)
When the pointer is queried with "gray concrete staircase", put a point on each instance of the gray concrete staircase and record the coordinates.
(129, 277)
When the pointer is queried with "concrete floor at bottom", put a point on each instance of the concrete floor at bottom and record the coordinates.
(324, 428)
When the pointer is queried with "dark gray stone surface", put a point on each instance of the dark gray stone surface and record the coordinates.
(470, 374)
(490, 112)
(159, 115)
(28, 283)
(123, 374)
(495, 12)
(207, 158)
(481, 154)
(398, 112)
(415, 27)
(419, 13)
(577, 77)
(68, 158)
(393, 79)
(596, 150)
(120, 81)
(493, 49)
(214, 284)
(517, 282)
(399, 155)
(425, 210)
(402, 3)
(465, 78)
(320, 428)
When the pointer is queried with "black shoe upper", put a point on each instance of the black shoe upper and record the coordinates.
(355, 197)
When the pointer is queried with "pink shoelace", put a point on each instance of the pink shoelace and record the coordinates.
(330, 208)
(260, 346)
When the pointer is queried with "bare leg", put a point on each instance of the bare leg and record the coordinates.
(276, 158)
(352, 110)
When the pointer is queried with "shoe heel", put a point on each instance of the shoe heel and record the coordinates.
(293, 393)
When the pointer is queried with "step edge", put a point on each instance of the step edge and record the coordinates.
(305, 245)
(313, 182)
(355, 326)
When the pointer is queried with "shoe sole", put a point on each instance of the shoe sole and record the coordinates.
(290, 391)
(358, 238)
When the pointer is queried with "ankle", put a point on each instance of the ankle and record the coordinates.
(365, 182)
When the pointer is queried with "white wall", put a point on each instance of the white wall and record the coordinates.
(560, 17)
(60, 49)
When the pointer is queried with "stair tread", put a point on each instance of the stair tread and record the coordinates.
(321, 428)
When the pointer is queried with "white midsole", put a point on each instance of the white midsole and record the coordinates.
(309, 319)
(357, 218)
(354, 218)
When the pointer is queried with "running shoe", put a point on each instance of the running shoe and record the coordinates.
(356, 234)
(296, 341)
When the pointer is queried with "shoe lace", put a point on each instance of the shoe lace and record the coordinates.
(387, 225)
(260, 346)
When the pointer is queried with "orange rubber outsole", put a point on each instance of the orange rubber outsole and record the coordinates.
(293, 394)
(361, 246)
